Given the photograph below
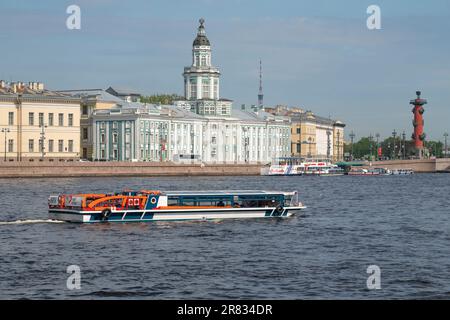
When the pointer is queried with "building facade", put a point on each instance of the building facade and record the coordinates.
(90, 101)
(229, 135)
(38, 123)
(169, 133)
(313, 136)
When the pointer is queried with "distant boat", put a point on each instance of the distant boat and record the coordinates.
(153, 205)
(363, 172)
(378, 172)
(291, 166)
(402, 171)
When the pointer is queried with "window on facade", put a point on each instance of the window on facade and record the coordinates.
(10, 145)
(60, 145)
(114, 138)
(70, 145)
(31, 119)
(50, 119)
(41, 119)
(11, 118)
(205, 88)
(85, 133)
(203, 60)
(61, 119)
(197, 60)
(31, 145)
(85, 110)
(102, 138)
(103, 154)
(70, 119)
(50, 145)
(115, 154)
(298, 130)
(193, 88)
(213, 140)
(114, 125)
(102, 125)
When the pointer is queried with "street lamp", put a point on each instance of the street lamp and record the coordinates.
(394, 135)
(352, 136)
(371, 146)
(378, 144)
(42, 140)
(338, 133)
(404, 145)
(5, 131)
(445, 144)
(328, 145)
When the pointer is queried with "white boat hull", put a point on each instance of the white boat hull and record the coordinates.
(171, 215)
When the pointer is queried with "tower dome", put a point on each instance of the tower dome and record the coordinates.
(201, 39)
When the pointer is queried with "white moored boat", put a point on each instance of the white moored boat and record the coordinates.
(292, 166)
(152, 205)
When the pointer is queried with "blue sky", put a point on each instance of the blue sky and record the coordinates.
(316, 54)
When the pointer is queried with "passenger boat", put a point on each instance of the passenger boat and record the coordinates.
(363, 172)
(152, 205)
(321, 169)
(285, 166)
(402, 171)
(291, 166)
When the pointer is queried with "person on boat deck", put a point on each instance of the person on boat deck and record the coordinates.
(221, 204)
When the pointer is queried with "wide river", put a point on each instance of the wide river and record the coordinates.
(399, 223)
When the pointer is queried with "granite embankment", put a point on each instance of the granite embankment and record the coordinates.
(42, 169)
(425, 165)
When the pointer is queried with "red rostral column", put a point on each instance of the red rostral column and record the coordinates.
(418, 135)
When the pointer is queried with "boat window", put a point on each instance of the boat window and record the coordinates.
(260, 201)
(111, 203)
(172, 201)
(200, 201)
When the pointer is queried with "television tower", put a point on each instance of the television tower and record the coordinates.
(260, 94)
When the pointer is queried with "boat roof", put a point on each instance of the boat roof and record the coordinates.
(223, 193)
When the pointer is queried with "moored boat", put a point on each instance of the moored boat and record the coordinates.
(363, 172)
(292, 166)
(402, 171)
(153, 205)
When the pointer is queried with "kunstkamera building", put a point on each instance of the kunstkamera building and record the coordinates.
(202, 127)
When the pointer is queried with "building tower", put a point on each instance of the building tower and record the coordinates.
(260, 94)
(202, 80)
(418, 136)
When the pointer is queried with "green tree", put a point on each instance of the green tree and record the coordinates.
(363, 148)
(161, 98)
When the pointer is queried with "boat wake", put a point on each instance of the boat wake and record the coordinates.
(30, 221)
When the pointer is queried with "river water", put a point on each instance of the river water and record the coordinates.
(399, 223)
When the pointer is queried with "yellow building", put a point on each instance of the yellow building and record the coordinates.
(37, 123)
(91, 100)
(313, 136)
